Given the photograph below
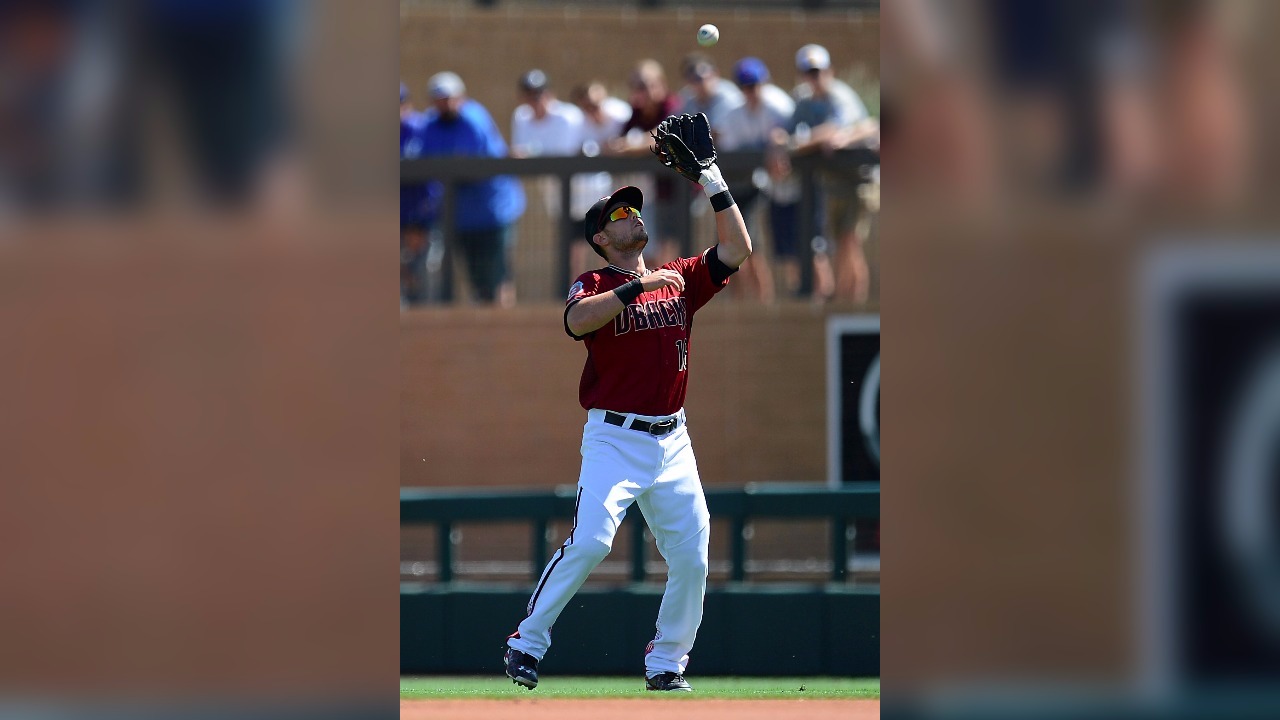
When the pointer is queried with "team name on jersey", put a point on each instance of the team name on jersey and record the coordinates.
(651, 315)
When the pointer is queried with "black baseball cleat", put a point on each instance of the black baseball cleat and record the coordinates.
(522, 668)
(667, 681)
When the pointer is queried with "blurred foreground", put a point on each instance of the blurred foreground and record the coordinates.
(1085, 291)
(199, 356)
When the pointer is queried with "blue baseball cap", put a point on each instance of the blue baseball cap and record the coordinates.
(750, 71)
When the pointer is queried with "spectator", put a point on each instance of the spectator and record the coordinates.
(750, 126)
(485, 210)
(223, 61)
(651, 102)
(706, 92)
(603, 117)
(407, 110)
(543, 125)
(821, 99)
(766, 107)
(829, 116)
(416, 211)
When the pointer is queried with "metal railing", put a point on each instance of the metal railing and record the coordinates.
(451, 170)
(445, 508)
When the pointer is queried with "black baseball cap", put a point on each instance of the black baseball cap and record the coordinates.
(591, 225)
(533, 81)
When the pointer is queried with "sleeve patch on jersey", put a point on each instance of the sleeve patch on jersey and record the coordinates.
(577, 288)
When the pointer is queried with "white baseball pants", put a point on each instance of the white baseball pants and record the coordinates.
(620, 466)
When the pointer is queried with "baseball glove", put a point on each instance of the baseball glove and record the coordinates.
(684, 143)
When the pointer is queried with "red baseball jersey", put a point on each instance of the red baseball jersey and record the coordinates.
(639, 363)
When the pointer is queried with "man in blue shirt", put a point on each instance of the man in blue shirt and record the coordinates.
(485, 210)
(417, 209)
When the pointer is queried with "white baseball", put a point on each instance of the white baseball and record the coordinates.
(708, 35)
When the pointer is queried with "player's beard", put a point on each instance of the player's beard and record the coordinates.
(638, 240)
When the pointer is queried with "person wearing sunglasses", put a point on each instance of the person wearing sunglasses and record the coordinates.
(635, 322)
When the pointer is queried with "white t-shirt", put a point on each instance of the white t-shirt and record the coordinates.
(556, 134)
(586, 188)
(616, 114)
(745, 129)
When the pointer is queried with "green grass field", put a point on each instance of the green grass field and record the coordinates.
(456, 687)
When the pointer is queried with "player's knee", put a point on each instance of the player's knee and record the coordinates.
(688, 560)
(591, 549)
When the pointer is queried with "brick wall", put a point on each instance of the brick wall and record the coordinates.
(490, 397)
(491, 48)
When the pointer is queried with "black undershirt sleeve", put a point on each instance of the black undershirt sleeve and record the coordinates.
(566, 320)
(719, 271)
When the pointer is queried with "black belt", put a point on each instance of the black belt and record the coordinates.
(655, 429)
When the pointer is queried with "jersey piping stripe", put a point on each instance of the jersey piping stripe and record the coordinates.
(624, 272)
(533, 601)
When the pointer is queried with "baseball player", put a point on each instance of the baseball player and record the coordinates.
(636, 323)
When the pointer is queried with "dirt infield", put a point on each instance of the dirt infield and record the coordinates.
(672, 709)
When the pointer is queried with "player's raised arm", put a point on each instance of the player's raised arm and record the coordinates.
(684, 144)
(731, 230)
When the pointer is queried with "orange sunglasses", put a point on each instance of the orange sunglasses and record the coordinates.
(623, 213)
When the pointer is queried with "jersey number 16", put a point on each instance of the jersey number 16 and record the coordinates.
(682, 351)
